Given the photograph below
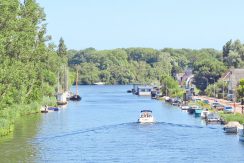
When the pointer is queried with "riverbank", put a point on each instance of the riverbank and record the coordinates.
(9, 115)
(232, 117)
(227, 117)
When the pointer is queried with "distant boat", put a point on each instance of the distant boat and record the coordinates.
(68, 95)
(213, 117)
(144, 90)
(198, 112)
(146, 117)
(99, 83)
(61, 99)
(204, 114)
(185, 107)
(53, 108)
(241, 133)
(44, 109)
(192, 109)
(76, 97)
(61, 95)
(231, 127)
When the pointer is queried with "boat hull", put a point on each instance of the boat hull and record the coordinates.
(213, 120)
(230, 129)
(75, 98)
(146, 120)
(191, 111)
(44, 111)
(198, 112)
(62, 102)
(241, 135)
(185, 107)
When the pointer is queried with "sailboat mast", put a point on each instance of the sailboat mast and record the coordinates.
(76, 82)
(64, 81)
(58, 83)
(67, 79)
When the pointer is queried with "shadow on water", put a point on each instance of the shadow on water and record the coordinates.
(107, 127)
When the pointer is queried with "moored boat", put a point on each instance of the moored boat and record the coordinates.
(213, 117)
(198, 112)
(241, 133)
(99, 83)
(184, 107)
(167, 98)
(232, 127)
(53, 108)
(61, 99)
(76, 97)
(192, 109)
(44, 109)
(204, 114)
(68, 95)
(146, 117)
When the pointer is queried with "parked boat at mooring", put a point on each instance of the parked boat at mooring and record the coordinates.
(76, 97)
(231, 127)
(213, 117)
(204, 114)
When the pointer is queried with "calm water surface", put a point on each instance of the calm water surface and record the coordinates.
(102, 128)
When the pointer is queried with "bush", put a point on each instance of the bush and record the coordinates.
(49, 101)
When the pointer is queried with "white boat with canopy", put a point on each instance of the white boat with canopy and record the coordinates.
(146, 117)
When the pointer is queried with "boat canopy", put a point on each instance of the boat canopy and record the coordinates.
(146, 111)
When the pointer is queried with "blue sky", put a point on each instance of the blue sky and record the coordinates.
(109, 24)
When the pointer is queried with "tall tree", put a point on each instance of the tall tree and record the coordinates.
(62, 50)
(226, 50)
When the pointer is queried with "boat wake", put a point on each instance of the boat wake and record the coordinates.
(106, 127)
(185, 125)
(80, 132)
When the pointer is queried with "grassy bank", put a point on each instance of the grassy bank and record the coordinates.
(202, 105)
(225, 116)
(233, 117)
(9, 115)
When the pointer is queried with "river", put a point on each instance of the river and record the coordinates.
(102, 128)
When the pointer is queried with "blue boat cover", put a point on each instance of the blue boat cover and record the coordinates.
(146, 111)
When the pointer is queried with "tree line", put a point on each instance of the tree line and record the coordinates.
(29, 61)
(147, 65)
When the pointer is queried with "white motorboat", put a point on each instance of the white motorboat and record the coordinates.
(99, 83)
(146, 117)
(213, 117)
(185, 107)
(204, 114)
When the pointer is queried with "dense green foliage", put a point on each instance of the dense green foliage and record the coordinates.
(218, 89)
(240, 89)
(170, 87)
(28, 65)
(121, 66)
(145, 65)
(233, 54)
(207, 71)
